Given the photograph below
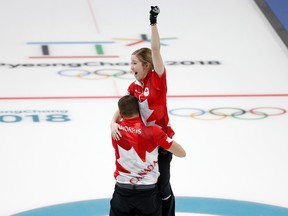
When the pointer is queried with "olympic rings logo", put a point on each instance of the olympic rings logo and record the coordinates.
(220, 113)
(97, 74)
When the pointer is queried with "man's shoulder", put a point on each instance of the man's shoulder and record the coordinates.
(154, 129)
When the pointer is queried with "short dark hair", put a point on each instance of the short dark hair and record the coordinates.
(128, 106)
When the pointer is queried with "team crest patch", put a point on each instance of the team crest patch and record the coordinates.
(146, 92)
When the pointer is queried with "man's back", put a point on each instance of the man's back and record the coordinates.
(137, 152)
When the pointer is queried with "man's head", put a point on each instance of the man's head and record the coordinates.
(128, 106)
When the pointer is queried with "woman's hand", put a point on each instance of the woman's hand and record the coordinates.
(115, 133)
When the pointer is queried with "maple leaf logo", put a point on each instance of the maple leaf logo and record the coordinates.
(143, 172)
(146, 113)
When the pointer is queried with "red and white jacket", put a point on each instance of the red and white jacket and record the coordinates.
(137, 152)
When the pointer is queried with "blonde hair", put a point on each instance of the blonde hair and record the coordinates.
(144, 55)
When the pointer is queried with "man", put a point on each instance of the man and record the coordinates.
(136, 153)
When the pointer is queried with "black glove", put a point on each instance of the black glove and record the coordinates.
(153, 14)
